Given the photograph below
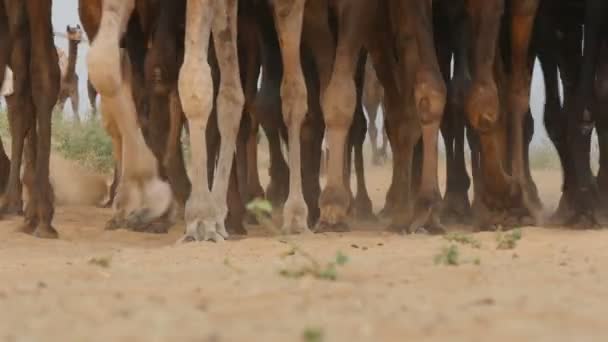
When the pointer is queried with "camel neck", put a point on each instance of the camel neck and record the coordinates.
(72, 57)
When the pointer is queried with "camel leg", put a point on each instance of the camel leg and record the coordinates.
(174, 157)
(254, 188)
(20, 114)
(92, 97)
(522, 23)
(371, 102)
(142, 199)
(205, 212)
(236, 206)
(482, 108)
(362, 205)
(288, 16)
(338, 103)
(5, 41)
(44, 71)
(5, 166)
(430, 95)
(230, 100)
(111, 128)
(29, 184)
(393, 109)
(75, 100)
(278, 188)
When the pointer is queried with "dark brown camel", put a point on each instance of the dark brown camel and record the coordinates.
(33, 59)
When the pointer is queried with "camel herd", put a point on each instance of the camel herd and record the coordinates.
(461, 68)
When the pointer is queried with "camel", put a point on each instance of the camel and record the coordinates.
(69, 78)
(143, 200)
(30, 53)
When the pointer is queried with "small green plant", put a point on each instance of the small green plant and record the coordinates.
(101, 262)
(465, 239)
(508, 240)
(448, 256)
(262, 210)
(314, 268)
(313, 335)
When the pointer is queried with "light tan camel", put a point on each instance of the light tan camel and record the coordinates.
(69, 78)
(142, 197)
(205, 209)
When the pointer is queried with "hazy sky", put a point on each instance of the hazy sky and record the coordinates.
(65, 12)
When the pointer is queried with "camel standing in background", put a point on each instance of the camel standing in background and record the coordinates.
(69, 78)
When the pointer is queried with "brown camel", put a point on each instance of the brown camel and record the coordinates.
(142, 199)
(33, 58)
(69, 78)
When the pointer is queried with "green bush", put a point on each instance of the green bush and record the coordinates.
(87, 143)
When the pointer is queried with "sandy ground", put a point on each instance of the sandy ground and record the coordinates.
(551, 287)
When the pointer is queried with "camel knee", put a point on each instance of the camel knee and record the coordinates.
(230, 101)
(195, 89)
(104, 57)
(295, 100)
(482, 106)
(430, 94)
(339, 102)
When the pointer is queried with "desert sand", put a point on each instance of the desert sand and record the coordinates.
(96, 285)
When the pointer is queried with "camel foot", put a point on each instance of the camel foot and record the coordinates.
(515, 207)
(324, 227)
(387, 212)
(334, 204)
(234, 225)
(45, 231)
(141, 222)
(277, 192)
(250, 219)
(456, 209)
(583, 220)
(208, 230)
(295, 217)
(362, 209)
(424, 222)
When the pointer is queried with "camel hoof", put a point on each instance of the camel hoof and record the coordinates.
(295, 218)
(398, 228)
(198, 230)
(338, 227)
(235, 226)
(45, 231)
(142, 221)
